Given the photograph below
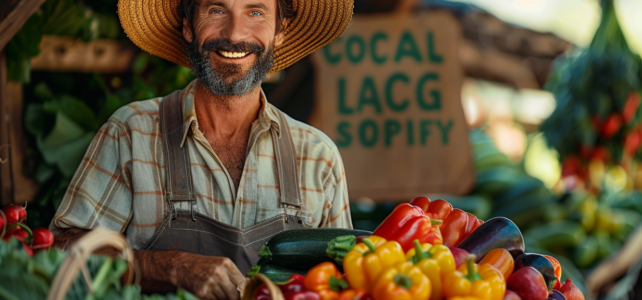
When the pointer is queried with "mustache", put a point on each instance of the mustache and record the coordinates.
(227, 45)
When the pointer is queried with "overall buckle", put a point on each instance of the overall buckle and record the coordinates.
(171, 198)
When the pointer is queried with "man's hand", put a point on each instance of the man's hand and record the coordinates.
(208, 277)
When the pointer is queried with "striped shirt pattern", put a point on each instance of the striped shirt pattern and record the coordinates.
(120, 181)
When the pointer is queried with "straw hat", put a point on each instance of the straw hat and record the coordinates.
(154, 26)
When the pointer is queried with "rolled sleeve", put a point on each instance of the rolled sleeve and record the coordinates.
(99, 194)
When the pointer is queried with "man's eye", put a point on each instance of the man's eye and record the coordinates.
(216, 11)
(256, 13)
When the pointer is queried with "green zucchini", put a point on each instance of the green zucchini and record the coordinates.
(304, 248)
(273, 271)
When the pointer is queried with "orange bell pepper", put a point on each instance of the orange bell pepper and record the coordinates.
(326, 280)
(404, 281)
(501, 259)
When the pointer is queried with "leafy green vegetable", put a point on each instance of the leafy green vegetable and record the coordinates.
(23, 277)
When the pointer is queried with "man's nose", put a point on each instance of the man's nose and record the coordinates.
(235, 29)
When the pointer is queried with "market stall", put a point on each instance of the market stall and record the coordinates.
(391, 88)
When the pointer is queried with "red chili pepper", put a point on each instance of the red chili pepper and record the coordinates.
(408, 223)
(42, 239)
(14, 213)
(301, 295)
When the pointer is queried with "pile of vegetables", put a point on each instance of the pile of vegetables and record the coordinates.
(29, 264)
(12, 226)
(597, 124)
(423, 250)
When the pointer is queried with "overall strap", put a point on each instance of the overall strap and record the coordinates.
(179, 188)
(286, 163)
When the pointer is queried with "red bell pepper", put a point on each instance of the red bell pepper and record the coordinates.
(408, 223)
(457, 224)
(438, 209)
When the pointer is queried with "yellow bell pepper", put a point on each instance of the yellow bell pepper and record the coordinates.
(403, 281)
(363, 264)
(435, 262)
(471, 280)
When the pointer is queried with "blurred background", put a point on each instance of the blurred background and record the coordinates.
(550, 95)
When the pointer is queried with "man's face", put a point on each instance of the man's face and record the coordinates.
(231, 43)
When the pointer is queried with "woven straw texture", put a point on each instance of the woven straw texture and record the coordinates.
(154, 26)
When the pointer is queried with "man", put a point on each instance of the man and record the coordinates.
(200, 179)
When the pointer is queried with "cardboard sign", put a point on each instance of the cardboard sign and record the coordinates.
(388, 94)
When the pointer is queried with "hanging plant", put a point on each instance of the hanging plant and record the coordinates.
(597, 121)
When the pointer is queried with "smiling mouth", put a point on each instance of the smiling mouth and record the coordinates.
(228, 54)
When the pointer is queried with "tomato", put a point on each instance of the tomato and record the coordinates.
(631, 107)
(42, 238)
(14, 213)
(612, 126)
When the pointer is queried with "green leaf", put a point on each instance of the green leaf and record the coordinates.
(65, 145)
(75, 109)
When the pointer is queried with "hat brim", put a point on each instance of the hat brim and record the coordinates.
(155, 27)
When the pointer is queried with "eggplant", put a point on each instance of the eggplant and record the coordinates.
(556, 295)
(541, 264)
(498, 232)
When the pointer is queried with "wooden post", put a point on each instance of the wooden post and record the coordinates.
(6, 180)
(24, 188)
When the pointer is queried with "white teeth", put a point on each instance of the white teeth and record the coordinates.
(233, 54)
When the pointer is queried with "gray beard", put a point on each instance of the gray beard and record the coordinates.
(225, 80)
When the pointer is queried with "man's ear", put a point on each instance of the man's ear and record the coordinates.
(187, 30)
(280, 36)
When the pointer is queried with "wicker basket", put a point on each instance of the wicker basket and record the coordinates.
(79, 252)
(253, 284)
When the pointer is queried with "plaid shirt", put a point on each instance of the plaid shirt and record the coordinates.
(120, 182)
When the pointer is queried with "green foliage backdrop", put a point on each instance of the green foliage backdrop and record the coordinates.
(64, 110)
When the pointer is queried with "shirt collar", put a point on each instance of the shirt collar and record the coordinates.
(267, 115)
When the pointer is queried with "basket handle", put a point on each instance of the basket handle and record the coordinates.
(256, 281)
(79, 253)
